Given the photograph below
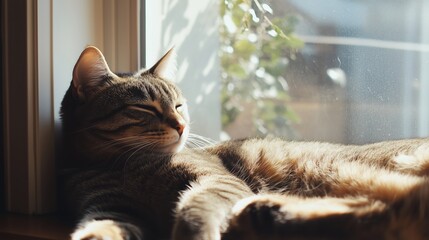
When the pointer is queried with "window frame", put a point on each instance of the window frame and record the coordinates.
(30, 115)
(21, 106)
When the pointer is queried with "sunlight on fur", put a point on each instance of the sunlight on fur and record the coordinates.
(104, 229)
(133, 171)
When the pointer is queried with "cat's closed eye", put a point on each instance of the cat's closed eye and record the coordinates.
(142, 108)
(180, 108)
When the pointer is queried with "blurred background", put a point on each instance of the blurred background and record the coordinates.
(341, 71)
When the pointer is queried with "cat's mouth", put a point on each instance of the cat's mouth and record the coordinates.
(171, 141)
(179, 143)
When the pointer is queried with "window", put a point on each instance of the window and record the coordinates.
(358, 77)
(192, 27)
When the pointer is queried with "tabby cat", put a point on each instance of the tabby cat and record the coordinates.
(130, 175)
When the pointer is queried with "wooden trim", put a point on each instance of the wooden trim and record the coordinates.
(28, 92)
(109, 21)
(44, 110)
(2, 170)
(16, 98)
(135, 34)
(122, 34)
(28, 115)
(31, 82)
(142, 34)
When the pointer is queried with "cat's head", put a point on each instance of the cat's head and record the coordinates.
(106, 114)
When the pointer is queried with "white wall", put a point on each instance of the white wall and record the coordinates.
(192, 27)
(76, 24)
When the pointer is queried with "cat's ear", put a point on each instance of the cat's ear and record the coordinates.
(91, 73)
(166, 67)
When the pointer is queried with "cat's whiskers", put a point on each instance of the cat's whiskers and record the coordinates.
(205, 139)
(133, 147)
(84, 129)
(126, 140)
(138, 142)
(197, 141)
(195, 144)
(114, 142)
(149, 145)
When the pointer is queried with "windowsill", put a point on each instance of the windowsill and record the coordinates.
(24, 227)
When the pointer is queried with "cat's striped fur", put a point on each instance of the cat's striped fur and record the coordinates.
(129, 176)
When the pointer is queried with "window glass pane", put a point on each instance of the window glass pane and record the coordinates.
(359, 76)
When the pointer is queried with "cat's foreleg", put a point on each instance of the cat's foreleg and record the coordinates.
(101, 226)
(203, 209)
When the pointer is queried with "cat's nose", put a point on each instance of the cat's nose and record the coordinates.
(180, 128)
(178, 124)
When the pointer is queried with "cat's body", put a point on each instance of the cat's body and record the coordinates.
(132, 179)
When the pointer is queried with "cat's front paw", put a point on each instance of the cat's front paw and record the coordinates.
(253, 216)
(105, 230)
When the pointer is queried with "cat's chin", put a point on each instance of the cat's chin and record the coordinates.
(180, 144)
(172, 148)
(177, 145)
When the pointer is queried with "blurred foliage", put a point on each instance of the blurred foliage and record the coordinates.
(256, 48)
